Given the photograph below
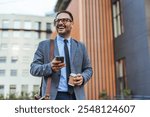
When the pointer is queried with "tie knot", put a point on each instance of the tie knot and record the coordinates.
(65, 41)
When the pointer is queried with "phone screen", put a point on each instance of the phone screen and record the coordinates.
(60, 58)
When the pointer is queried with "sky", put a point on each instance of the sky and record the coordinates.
(27, 7)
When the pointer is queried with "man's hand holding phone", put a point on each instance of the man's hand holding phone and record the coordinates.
(57, 63)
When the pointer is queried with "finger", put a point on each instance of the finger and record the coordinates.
(61, 65)
(77, 81)
(56, 62)
(78, 78)
(57, 65)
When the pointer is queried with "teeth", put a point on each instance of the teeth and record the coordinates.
(61, 27)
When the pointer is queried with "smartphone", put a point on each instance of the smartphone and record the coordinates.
(60, 58)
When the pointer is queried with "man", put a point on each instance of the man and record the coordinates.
(76, 60)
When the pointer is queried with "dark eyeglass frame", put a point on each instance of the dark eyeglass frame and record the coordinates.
(63, 20)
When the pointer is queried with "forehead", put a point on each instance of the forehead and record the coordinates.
(63, 15)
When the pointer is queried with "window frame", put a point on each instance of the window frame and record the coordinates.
(117, 18)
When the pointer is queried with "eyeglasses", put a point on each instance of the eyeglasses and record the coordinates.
(63, 20)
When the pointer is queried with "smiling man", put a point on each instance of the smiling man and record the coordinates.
(70, 69)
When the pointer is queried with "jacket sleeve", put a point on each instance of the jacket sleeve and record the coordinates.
(38, 67)
(86, 66)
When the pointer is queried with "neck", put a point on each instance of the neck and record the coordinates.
(64, 36)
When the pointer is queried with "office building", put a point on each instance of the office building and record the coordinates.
(19, 38)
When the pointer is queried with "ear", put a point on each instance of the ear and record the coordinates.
(72, 23)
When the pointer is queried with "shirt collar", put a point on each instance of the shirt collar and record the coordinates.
(61, 39)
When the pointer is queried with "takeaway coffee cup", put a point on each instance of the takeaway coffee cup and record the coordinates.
(71, 81)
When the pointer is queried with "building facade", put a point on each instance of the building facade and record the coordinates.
(132, 50)
(93, 27)
(117, 36)
(19, 37)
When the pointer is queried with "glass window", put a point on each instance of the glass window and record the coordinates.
(2, 72)
(27, 25)
(5, 34)
(13, 72)
(24, 89)
(36, 35)
(1, 90)
(117, 18)
(27, 34)
(48, 30)
(17, 24)
(119, 68)
(36, 88)
(12, 89)
(48, 26)
(121, 74)
(2, 59)
(14, 59)
(37, 25)
(4, 46)
(15, 46)
(5, 24)
(16, 34)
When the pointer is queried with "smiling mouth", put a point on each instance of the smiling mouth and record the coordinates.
(60, 27)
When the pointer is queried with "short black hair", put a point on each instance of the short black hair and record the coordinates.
(64, 11)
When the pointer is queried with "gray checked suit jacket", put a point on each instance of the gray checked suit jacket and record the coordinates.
(79, 60)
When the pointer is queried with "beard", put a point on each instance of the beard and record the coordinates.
(63, 31)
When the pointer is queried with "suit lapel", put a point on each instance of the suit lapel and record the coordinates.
(56, 52)
(73, 49)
